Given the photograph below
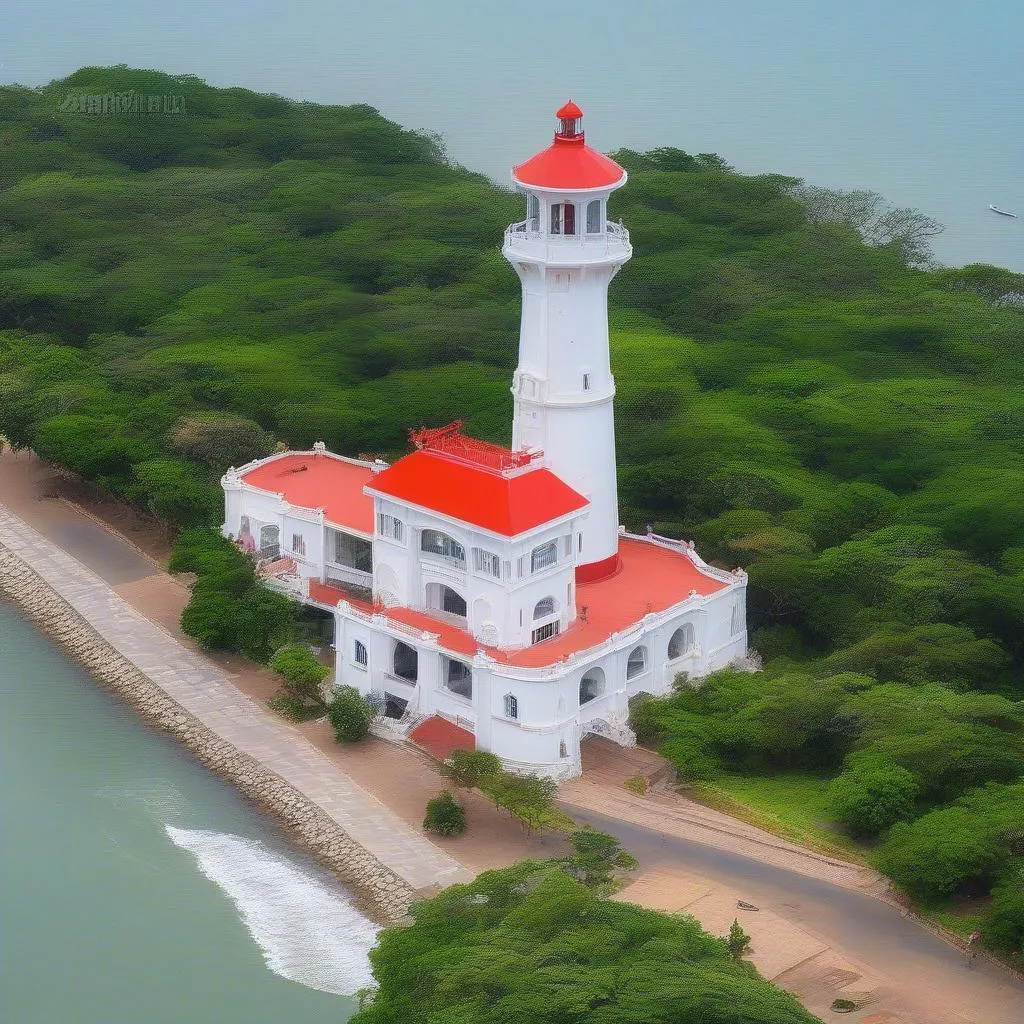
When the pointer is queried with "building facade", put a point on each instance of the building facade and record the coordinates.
(488, 596)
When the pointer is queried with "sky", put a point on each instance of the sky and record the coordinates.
(921, 102)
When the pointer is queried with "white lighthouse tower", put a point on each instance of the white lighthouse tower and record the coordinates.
(566, 252)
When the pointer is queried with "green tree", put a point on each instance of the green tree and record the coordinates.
(303, 675)
(350, 714)
(873, 794)
(595, 857)
(445, 815)
(526, 797)
(1003, 922)
(737, 941)
(468, 769)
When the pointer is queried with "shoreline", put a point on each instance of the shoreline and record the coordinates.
(379, 891)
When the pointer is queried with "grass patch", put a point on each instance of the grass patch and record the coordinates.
(294, 709)
(959, 919)
(791, 805)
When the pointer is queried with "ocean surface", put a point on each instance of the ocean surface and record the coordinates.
(919, 100)
(138, 888)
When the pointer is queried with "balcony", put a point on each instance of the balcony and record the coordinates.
(523, 242)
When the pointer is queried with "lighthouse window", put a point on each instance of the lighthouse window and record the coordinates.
(594, 216)
(556, 218)
(569, 219)
(533, 213)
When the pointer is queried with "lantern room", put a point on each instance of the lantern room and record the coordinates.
(567, 185)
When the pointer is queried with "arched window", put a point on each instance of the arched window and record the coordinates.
(636, 665)
(543, 556)
(682, 641)
(593, 216)
(544, 607)
(434, 542)
(442, 598)
(405, 662)
(360, 655)
(511, 706)
(591, 685)
(270, 542)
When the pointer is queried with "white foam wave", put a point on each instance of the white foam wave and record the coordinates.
(307, 930)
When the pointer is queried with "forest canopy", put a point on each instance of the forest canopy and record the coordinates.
(799, 389)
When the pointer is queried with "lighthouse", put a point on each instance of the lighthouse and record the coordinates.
(565, 253)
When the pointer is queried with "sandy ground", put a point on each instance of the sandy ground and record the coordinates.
(818, 932)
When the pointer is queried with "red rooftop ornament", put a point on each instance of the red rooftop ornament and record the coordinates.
(449, 440)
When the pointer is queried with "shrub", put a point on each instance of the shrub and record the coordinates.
(468, 768)
(873, 794)
(445, 816)
(737, 941)
(1003, 923)
(596, 856)
(526, 797)
(303, 675)
(350, 714)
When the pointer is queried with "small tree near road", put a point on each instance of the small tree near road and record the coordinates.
(350, 714)
(527, 797)
(596, 856)
(737, 941)
(444, 815)
(467, 769)
(302, 674)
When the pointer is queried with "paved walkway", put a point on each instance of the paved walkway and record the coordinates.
(203, 691)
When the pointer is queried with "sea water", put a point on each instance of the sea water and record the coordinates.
(136, 886)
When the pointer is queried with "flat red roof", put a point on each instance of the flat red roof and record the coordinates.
(650, 579)
(504, 503)
(319, 481)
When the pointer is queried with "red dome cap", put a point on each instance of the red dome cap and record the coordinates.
(569, 163)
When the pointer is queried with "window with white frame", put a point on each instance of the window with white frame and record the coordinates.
(486, 562)
(545, 632)
(543, 556)
(533, 213)
(389, 526)
(359, 654)
(586, 382)
(511, 706)
(568, 544)
(593, 216)
(298, 544)
(544, 607)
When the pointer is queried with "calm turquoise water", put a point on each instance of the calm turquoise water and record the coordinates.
(137, 887)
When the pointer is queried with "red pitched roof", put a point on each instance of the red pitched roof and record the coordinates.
(319, 481)
(504, 503)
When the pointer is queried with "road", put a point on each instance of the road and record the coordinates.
(861, 925)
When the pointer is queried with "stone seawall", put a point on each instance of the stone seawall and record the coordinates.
(383, 893)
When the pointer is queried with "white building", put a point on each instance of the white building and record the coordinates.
(489, 595)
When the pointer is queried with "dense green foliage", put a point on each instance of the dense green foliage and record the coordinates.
(470, 768)
(796, 389)
(529, 943)
(1003, 924)
(350, 714)
(445, 815)
(595, 858)
(229, 609)
(302, 674)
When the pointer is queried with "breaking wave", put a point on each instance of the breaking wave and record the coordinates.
(307, 930)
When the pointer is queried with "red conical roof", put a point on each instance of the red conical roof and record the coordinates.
(569, 163)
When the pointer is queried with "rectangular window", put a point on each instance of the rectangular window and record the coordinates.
(507, 570)
(519, 566)
(556, 218)
(545, 632)
(568, 544)
(298, 544)
(511, 706)
(543, 556)
(569, 219)
(593, 216)
(586, 382)
(486, 562)
(579, 542)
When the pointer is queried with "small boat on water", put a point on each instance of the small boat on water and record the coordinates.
(1004, 213)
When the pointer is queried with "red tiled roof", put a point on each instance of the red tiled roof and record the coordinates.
(506, 504)
(650, 579)
(319, 481)
(441, 737)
